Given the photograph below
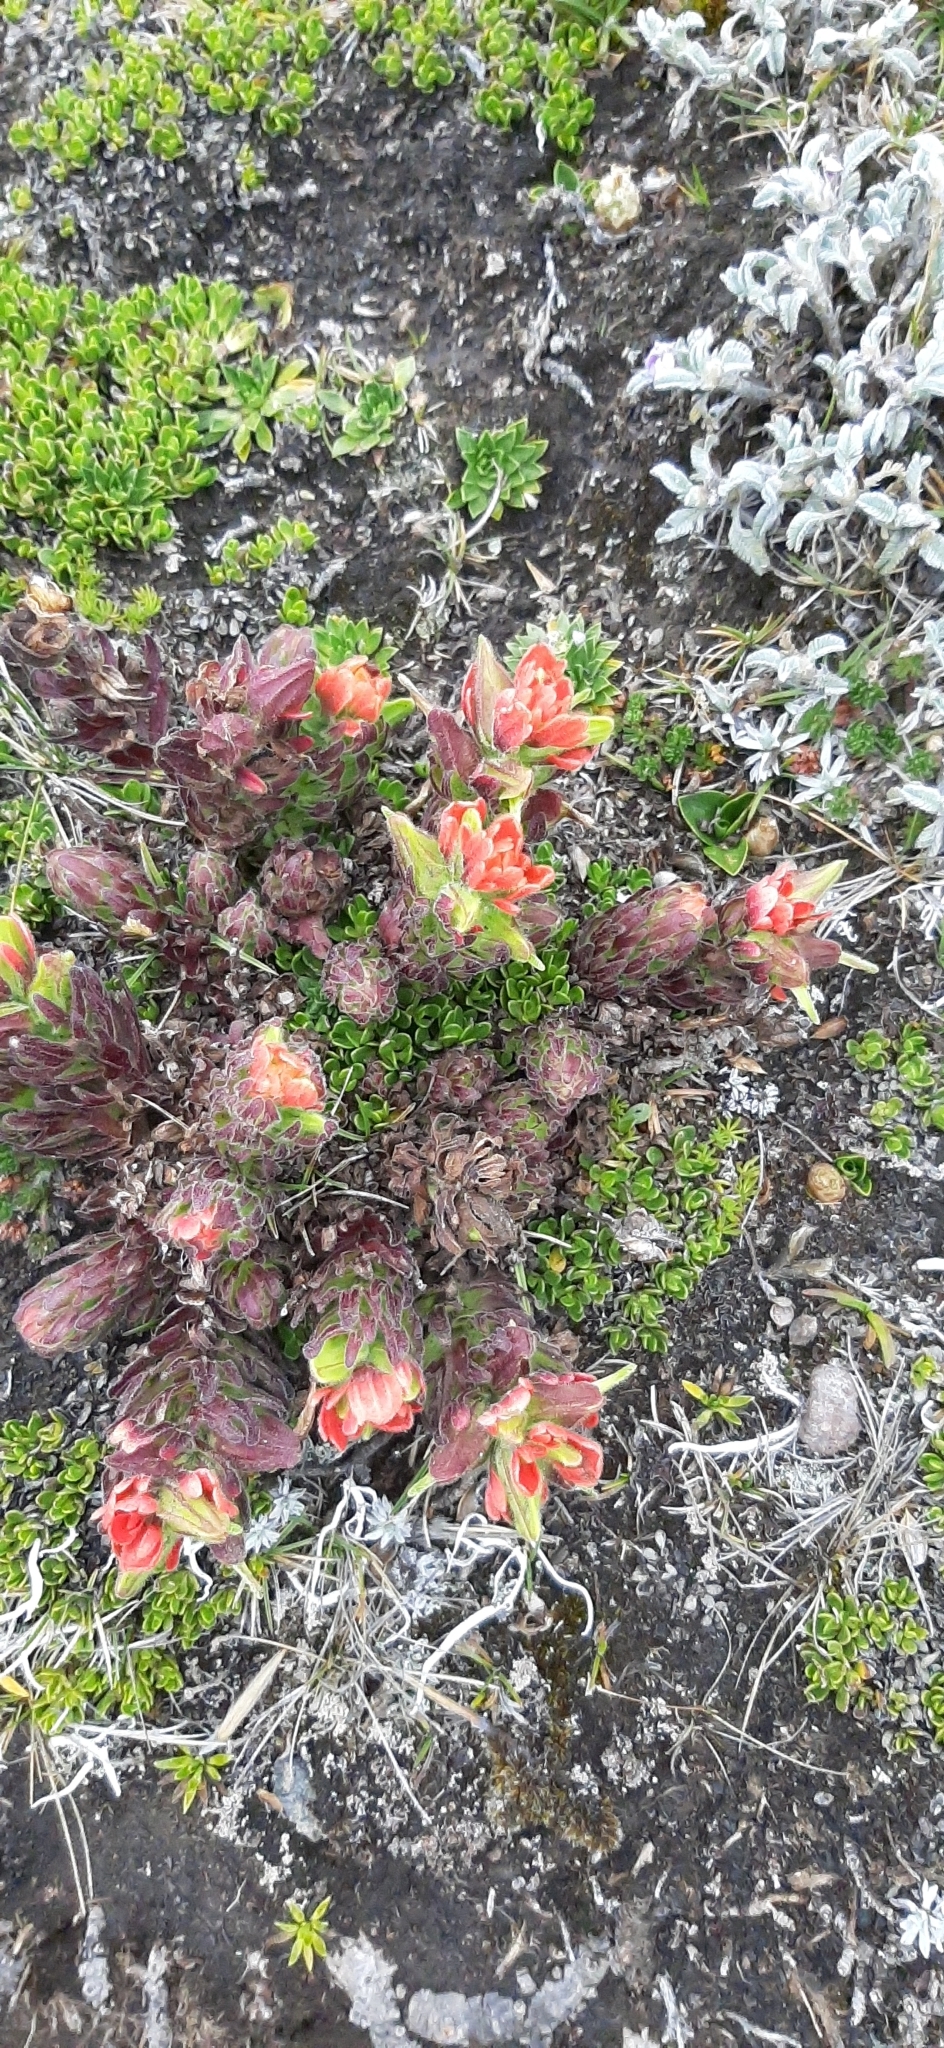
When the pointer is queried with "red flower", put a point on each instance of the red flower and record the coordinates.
(548, 1448)
(533, 1443)
(374, 1398)
(197, 1231)
(354, 694)
(278, 1074)
(196, 1504)
(770, 905)
(494, 860)
(130, 1520)
(17, 955)
(538, 711)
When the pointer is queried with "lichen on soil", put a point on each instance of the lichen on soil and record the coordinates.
(599, 1843)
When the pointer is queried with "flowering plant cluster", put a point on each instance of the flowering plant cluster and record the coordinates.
(256, 720)
(207, 1130)
(675, 945)
(471, 895)
(507, 1405)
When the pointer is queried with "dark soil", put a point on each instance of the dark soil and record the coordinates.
(750, 1876)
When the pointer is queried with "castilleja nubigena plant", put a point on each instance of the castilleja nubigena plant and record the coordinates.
(229, 1236)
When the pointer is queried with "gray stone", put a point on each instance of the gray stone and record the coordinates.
(293, 1786)
(830, 1419)
(560, 1998)
(450, 2020)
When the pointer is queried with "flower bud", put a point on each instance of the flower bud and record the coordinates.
(279, 681)
(114, 1278)
(302, 881)
(564, 1063)
(362, 981)
(617, 952)
(522, 1121)
(208, 1213)
(105, 886)
(17, 955)
(251, 1288)
(462, 1076)
(244, 926)
(212, 886)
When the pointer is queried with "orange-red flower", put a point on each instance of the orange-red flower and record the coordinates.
(130, 1520)
(354, 693)
(374, 1398)
(198, 1231)
(533, 1444)
(197, 1504)
(494, 860)
(770, 905)
(280, 1075)
(17, 955)
(537, 711)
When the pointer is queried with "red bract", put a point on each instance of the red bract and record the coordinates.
(266, 1105)
(209, 1212)
(538, 711)
(130, 1519)
(386, 1398)
(494, 861)
(280, 1075)
(768, 929)
(519, 1481)
(197, 1505)
(533, 1442)
(772, 905)
(363, 1352)
(17, 955)
(354, 694)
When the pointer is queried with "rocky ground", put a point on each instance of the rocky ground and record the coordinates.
(622, 1863)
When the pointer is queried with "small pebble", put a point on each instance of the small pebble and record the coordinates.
(803, 1331)
(782, 1312)
(826, 1184)
(829, 1418)
(763, 837)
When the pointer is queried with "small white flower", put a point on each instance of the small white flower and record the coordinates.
(763, 742)
(922, 1926)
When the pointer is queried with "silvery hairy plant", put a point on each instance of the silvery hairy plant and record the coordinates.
(752, 40)
(838, 473)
